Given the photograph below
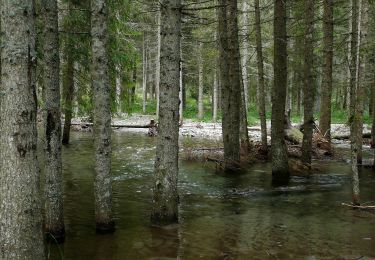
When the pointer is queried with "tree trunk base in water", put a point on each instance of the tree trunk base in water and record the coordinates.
(55, 236)
(105, 227)
(280, 178)
(163, 220)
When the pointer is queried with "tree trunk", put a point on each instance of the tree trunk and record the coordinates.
(280, 168)
(244, 132)
(215, 97)
(68, 88)
(165, 194)
(373, 116)
(245, 54)
(261, 92)
(102, 118)
(361, 62)
(200, 82)
(309, 85)
(54, 216)
(118, 90)
(230, 80)
(353, 105)
(21, 235)
(132, 96)
(144, 74)
(158, 65)
(325, 106)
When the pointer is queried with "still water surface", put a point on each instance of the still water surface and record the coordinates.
(221, 217)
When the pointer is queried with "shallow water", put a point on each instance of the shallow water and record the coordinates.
(221, 217)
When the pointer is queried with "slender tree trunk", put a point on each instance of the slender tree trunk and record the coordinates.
(144, 74)
(280, 168)
(353, 105)
(158, 65)
(54, 216)
(118, 90)
(361, 64)
(230, 80)
(245, 54)
(165, 194)
(68, 88)
(309, 85)
(261, 92)
(21, 231)
(373, 116)
(244, 132)
(215, 97)
(132, 98)
(102, 118)
(325, 106)
(200, 82)
(181, 88)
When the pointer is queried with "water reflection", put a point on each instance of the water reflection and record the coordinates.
(238, 217)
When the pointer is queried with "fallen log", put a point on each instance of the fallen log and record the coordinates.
(358, 206)
(112, 125)
(346, 136)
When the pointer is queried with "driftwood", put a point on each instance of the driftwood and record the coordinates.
(358, 206)
(112, 125)
(346, 136)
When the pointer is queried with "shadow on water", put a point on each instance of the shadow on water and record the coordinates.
(221, 217)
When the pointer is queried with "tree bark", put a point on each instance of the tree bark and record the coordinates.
(280, 168)
(309, 85)
(230, 80)
(144, 74)
(102, 118)
(21, 231)
(261, 92)
(68, 90)
(200, 82)
(353, 105)
(326, 104)
(165, 194)
(215, 97)
(245, 54)
(54, 216)
(158, 65)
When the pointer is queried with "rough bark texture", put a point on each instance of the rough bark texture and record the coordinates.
(200, 82)
(215, 97)
(54, 217)
(230, 82)
(144, 74)
(21, 235)
(352, 107)
(373, 116)
(280, 168)
(165, 194)
(244, 132)
(261, 92)
(102, 118)
(157, 83)
(245, 53)
(325, 107)
(309, 85)
(68, 87)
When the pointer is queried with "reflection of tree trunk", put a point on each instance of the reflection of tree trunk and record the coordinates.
(68, 87)
(261, 92)
(309, 86)
(165, 193)
(280, 168)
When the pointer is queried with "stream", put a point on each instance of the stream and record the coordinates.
(221, 217)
